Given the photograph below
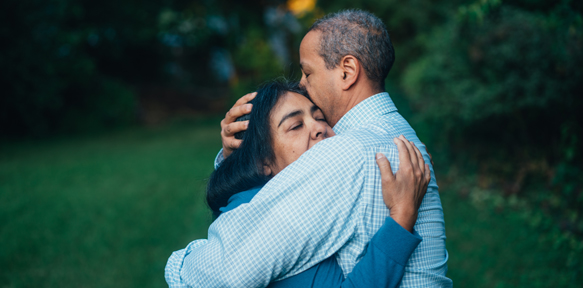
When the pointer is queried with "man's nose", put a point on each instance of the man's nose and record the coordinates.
(303, 82)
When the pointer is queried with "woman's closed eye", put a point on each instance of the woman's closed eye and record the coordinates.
(297, 126)
(317, 114)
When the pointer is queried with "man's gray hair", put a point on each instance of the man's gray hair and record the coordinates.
(360, 34)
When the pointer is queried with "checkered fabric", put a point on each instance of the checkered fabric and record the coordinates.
(328, 201)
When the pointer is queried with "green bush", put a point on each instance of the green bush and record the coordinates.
(508, 77)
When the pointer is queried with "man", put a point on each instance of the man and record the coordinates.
(329, 200)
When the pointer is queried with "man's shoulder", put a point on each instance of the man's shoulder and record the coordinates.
(335, 161)
(336, 147)
(356, 144)
(374, 134)
(336, 153)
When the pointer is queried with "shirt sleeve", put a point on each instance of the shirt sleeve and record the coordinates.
(174, 264)
(301, 217)
(219, 159)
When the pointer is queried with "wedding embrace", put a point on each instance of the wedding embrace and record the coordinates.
(304, 190)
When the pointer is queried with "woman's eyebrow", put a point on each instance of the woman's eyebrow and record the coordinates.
(289, 115)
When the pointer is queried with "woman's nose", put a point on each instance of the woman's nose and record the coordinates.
(319, 130)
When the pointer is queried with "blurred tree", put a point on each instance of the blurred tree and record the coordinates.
(80, 65)
(246, 43)
(67, 63)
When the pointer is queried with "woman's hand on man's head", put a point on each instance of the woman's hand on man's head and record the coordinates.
(229, 127)
(403, 192)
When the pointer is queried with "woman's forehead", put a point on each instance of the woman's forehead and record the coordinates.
(291, 100)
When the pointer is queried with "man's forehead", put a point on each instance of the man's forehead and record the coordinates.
(311, 40)
(309, 48)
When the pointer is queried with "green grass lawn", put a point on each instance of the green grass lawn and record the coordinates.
(102, 211)
(108, 210)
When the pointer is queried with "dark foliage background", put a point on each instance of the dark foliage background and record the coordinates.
(492, 86)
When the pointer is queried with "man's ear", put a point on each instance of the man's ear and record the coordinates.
(350, 67)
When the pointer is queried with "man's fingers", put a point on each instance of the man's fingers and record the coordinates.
(385, 167)
(235, 127)
(404, 158)
(245, 99)
(240, 108)
(235, 143)
(420, 159)
(236, 112)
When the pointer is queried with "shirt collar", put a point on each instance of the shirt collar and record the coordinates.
(365, 111)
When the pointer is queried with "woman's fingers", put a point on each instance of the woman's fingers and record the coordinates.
(421, 192)
(430, 157)
(392, 190)
(427, 176)
(404, 192)
(404, 157)
(420, 160)
(385, 167)
(411, 152)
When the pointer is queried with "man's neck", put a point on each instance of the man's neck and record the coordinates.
(349, 100)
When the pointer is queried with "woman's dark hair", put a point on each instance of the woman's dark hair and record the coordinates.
(243, 169)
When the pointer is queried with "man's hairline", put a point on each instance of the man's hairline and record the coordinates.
(319, 49)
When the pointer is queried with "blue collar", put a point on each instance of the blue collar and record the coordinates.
(240, 198)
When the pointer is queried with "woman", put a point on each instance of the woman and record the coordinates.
(283, 124)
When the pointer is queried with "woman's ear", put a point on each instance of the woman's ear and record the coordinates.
(267, 170)
(350, 67)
